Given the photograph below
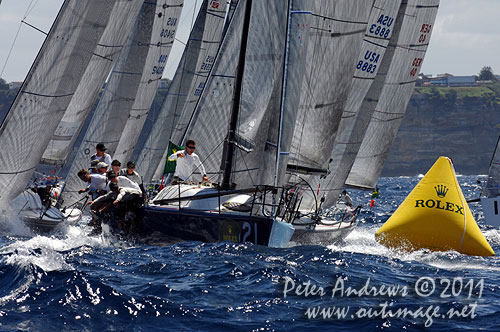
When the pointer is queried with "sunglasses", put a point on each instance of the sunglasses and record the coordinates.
(191, 147)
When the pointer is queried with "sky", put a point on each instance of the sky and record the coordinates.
(465, 37)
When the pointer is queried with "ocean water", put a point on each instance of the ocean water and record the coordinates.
(71, 281)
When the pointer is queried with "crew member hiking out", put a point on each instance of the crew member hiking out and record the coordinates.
(131, 174)
(187, 163)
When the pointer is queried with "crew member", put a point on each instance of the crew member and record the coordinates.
(102, 167)
(346, 198)
(131, 174)
(96, 183)
(116, 195)
(187, 163)
(101, 155)
(121, 181)
(115, 166)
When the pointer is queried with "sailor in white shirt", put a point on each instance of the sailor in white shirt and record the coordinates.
(187, 163)
(121, 181)
(96, 182)
(101, 155)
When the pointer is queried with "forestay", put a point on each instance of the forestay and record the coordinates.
(48, 89)
(162, 39)
(118, 28)
(186, 86)
(399, 83)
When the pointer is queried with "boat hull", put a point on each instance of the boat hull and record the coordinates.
(491, 210)
(169, 225)
(321, 234)
(50, 220)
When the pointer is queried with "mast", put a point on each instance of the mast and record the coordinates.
(229, 144)
(283, 93)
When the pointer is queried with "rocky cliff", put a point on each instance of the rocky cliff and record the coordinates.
(461, 123)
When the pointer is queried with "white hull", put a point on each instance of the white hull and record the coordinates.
(321, 234)
(491, 210)
(38, 218)
(330, 230)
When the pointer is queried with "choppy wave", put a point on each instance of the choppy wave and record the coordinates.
(72, 281)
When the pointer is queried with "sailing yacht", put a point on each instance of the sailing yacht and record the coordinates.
(227, 211)
(283, 108)
(41, 103)
(63, 86)
(393, 49)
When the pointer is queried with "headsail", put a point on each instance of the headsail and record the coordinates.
(334, 33)
(369, 74)
(118, 28)
(163, 35)
(399, 83)
(210, 121)
(120, 93)
(48, 89)
(187, 84)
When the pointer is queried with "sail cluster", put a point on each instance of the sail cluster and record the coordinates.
(324, 88)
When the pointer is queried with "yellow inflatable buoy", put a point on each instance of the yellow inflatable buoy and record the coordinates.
(436, 216)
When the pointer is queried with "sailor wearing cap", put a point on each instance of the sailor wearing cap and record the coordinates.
(101, 155)
(102, 167)
(93, 167)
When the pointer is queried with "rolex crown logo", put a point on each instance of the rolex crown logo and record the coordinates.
(441, 190)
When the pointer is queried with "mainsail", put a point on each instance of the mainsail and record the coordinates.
(369, 75)
(187, 84)
(133, 68)
(163, 35)
(492, 188)
(209, 125)
(48, 89)
(120, 23)
(399, 83)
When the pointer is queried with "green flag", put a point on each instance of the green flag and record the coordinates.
(170, 165)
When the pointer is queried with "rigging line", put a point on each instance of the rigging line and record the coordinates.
(28, 10)
(246, 168)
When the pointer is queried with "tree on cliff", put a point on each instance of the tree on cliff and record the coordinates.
(486, 74)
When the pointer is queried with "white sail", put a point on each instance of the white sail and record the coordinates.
(186, 86)
(369, 74)
(492, 188)
(118, 28)
(48, 89)
(262, 70)
(399, 83)
(162, 39)
(119, 95)
(335, 32)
